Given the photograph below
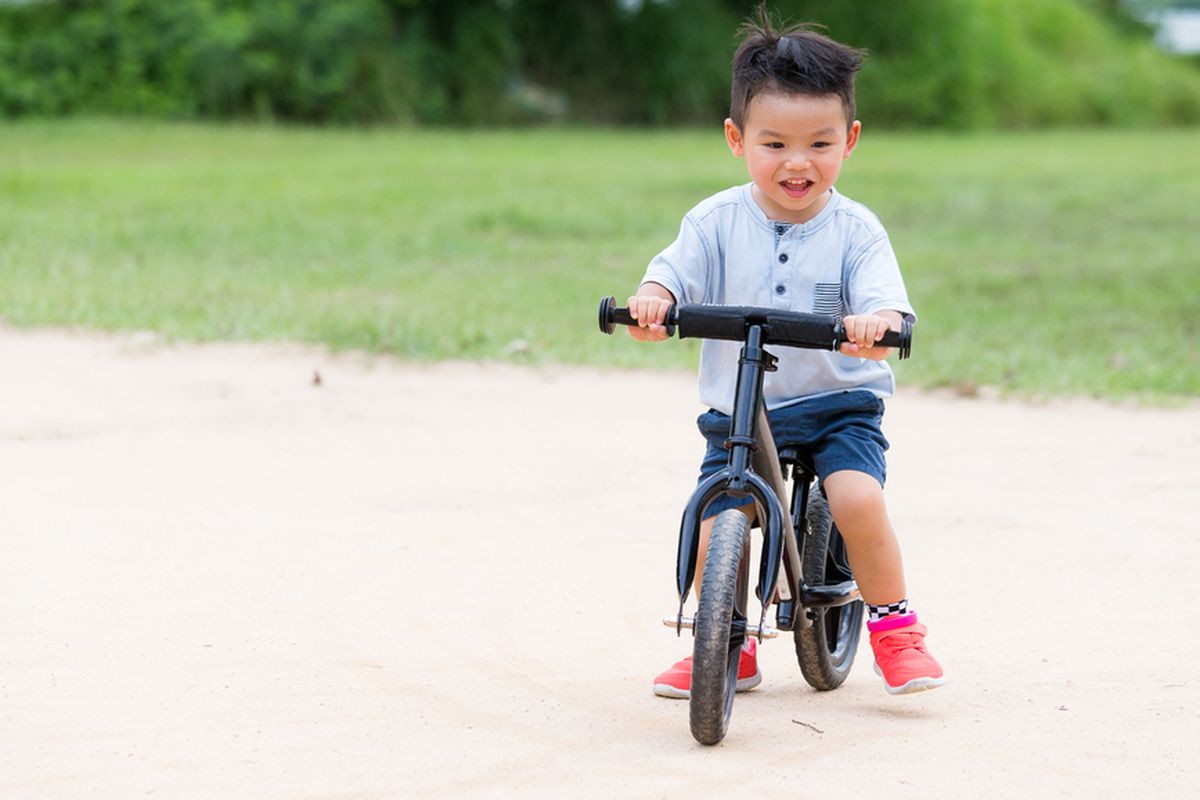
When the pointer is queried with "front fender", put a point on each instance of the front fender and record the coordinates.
(771, 518)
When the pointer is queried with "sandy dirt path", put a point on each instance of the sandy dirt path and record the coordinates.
(218, 579)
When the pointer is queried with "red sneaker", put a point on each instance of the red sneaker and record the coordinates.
(677, 681)
(901, 658)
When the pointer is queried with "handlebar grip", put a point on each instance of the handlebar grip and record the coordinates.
(611, 316)
(901, 339)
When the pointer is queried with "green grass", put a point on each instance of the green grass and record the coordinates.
(1063, 263)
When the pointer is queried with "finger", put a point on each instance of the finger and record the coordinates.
(857, 330)
(643, 312)
(885, 325)
(645, 330)
(862, 332)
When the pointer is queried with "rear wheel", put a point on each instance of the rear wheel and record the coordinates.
(826, 649)
(720, 627)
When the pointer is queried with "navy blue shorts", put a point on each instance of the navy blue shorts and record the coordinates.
(839, 431)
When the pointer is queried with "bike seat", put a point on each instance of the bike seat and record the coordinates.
(796, 455)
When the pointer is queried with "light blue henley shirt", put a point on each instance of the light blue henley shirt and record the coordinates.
(840, 263)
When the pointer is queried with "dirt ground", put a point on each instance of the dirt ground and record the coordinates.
(221, 579)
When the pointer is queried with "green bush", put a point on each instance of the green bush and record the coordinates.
(291, 59)
(1009, 62)
(955, 63)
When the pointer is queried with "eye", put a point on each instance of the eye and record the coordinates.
(821, 145)
(774, 145)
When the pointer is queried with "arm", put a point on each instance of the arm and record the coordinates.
(875, 297)
(864, 330)
(649, 307)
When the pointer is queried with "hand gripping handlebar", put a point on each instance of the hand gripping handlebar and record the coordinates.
(788, 328)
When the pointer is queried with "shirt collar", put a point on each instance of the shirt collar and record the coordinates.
(796, 228)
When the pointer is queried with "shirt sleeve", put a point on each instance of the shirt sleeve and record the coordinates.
(874, 283)
(684, 266)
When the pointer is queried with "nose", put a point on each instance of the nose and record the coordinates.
(797, 162)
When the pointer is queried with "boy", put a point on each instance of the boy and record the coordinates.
(789, 240)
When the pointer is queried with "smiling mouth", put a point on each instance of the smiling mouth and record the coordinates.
(797, 187)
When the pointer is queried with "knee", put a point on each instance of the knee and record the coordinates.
(855, 500)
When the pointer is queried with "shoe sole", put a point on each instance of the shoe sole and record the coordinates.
(912, 687)
(674, 693)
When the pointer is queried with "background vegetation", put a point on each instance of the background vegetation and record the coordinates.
(1045, 212)
(1043, 263)
(956, 63)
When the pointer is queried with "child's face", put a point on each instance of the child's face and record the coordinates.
(794, 146)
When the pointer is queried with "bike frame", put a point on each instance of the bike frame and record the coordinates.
(754, 469)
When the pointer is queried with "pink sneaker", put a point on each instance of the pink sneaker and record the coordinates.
(677, 681)
(901, 658)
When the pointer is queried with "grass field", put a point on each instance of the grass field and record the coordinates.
(1059, 263)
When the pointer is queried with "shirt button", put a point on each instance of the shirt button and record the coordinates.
(783, 258)
(780, 289)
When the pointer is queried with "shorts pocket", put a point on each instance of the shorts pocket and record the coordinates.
(864, 401)
(713, 422)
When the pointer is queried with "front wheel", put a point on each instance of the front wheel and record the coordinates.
(720, 627)
(826, 648)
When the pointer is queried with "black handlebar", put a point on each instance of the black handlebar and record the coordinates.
(788, 328)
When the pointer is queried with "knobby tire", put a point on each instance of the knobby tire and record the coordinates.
(720, 627)
(826, 649)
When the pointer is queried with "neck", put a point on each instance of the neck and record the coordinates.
(780, 214)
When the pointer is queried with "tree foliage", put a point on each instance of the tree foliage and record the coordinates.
(962, 63)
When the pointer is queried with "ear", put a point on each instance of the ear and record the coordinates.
(733, 137)
(852, 138)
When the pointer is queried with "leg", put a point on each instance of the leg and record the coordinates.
(857, 504)
(676, 682)
(901, 657)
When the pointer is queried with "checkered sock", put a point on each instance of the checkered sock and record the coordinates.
(877, 613)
